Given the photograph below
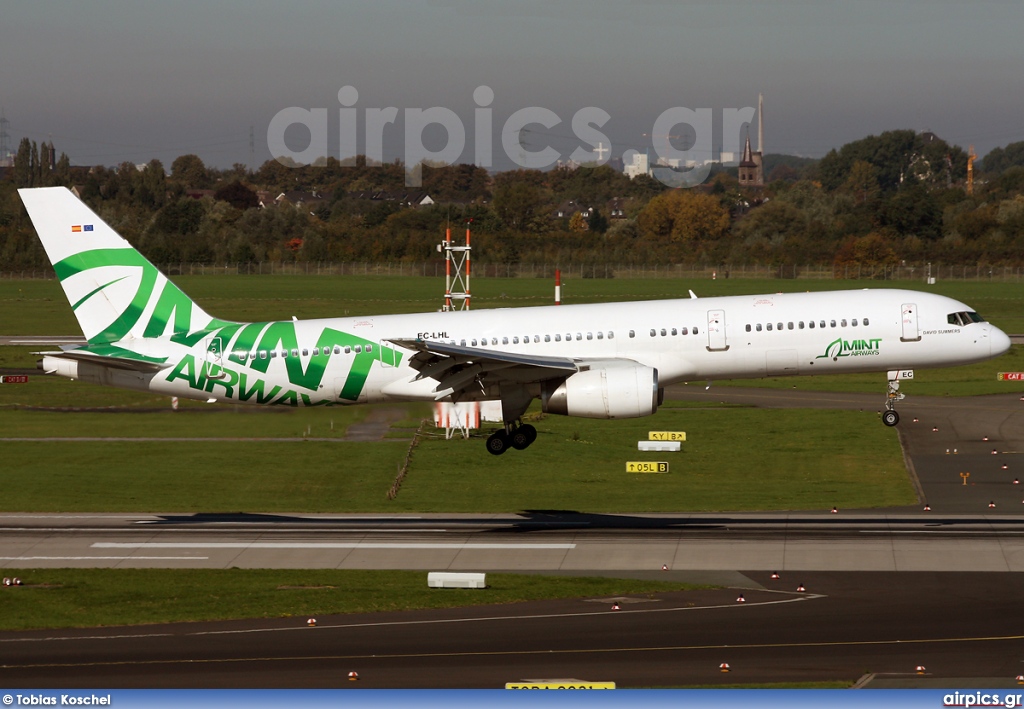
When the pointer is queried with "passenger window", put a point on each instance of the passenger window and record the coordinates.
(600, 335)
(663, 332)
(833, 323)
(843, 322)
(558, 338)
(854, 322)
(800, 324)
(694, 331)
(273, 354)
(685, 331)
(653, 333)
(632, 333)
(779, 326)
(515, 340)
(504, 340)
(536, 338)
(369, 348)
(284, 354)
(357, 348)
(674, 331)
(348, 350)
(316, 351)
(474, 342)
(263, 354)
(547, 338)
(748, 328)
(611, 335)
(790, 326)
(769, 327)
(822, 324)
(579, 336)
(865, 322)
(811, 324)
(759, 327)
(590, 336)
(305, 353)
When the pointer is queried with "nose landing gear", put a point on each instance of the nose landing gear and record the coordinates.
(890, 417)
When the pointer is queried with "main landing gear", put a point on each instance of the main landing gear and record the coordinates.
(518, 436)
(889, 416)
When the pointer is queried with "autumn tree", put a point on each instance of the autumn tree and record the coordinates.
(683, 215)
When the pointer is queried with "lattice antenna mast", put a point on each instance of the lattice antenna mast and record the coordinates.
(456, 271)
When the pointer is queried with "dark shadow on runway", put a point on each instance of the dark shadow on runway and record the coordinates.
(541, 521)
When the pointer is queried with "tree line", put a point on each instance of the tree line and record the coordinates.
(896, 197)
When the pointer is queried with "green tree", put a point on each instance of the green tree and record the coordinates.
(189, 171)
(517, 204)
(238, 196)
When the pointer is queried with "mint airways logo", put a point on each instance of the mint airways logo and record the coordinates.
(203, 376)
(851, 348)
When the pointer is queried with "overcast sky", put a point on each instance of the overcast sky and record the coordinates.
(116, 80)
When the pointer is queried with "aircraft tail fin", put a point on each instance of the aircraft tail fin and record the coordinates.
(114, 291)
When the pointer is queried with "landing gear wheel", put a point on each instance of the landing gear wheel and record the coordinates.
(498, 443)
(523, 436)
(890, 418)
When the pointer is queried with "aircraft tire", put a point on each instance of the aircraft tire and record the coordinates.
(890, 418)
(523, 436)
(498, 442)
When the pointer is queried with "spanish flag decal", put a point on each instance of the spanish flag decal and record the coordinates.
(77, 228)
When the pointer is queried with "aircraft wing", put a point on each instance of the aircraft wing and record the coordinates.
(457, 368)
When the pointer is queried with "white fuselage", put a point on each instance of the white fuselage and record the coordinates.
(688, 339)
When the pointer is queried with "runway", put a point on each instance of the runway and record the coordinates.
(548, 542)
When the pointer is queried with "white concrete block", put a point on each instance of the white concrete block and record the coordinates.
(671, 446)
(448, 579)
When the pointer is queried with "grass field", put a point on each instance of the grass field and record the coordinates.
(61, 598)
(734, 459)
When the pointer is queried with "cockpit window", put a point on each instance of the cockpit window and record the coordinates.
(964, 318)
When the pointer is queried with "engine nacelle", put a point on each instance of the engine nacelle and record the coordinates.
(617, 392)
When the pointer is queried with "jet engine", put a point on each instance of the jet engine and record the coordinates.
(614, 392)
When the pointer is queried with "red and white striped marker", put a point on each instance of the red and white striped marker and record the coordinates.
(558, 286)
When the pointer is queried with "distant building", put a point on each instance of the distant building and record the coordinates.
(405, 199)
(639, 166)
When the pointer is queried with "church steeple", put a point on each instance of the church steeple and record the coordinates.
(751, 172)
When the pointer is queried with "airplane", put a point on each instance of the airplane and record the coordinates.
(602, 361)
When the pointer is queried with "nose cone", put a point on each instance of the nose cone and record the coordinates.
(999, 341)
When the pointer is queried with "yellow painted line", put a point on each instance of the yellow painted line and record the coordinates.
(560, 685)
